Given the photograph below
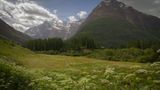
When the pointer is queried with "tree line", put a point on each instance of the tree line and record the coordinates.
(142, 44)
(58, 44)
(81, 42)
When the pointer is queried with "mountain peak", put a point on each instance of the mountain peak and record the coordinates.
(109, 1)
(113, 24)
(113, 3)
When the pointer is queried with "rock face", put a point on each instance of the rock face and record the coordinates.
(48, 30)
(7, 32)
(112, 23)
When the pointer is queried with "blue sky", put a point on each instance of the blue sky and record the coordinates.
(69, 7)
(30, 13)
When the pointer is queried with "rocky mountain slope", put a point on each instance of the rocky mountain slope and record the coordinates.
(48, 30)
(7, 32)
(114, 24)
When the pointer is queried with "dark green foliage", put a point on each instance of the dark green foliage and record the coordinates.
(144, 44)
(13, 78)
(82, 42)
(115, 33)
(45, 44)
(130, 54)
(57, 44)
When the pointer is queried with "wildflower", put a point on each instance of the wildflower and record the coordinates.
(158, 51)
(158, 72)
(84, 80)
(104, 81)
(94, 76)
(155, 64)
(109, 71)
(46, 78)
(84, 73)
(156, 81)
(96, 71)
(135, 67)
(129, 76)
(141, 71)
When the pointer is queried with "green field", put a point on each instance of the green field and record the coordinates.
(55, 72)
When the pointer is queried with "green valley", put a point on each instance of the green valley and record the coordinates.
(48, 45)
(27, 70)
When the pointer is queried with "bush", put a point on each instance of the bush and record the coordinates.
(128, 54)
(13, 77)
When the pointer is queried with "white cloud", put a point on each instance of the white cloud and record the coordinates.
(72, 19)
(78, 17)
(19, 27)
(26, 14)
(82, 14)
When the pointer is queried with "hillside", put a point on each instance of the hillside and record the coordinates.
(11, 50)
(114, 24)
(7, 32)
(51, 72)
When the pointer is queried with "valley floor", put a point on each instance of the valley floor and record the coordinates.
(55, 72)
(53, 62)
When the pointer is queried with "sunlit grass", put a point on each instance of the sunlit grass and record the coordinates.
(56, 72)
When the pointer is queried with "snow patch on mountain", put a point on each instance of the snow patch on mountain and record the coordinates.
(28, 17)
(25, 14)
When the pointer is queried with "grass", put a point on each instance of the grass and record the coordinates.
(12, 50)
(57, 72)
(63, 62)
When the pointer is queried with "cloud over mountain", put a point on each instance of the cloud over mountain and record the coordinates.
(79, 16)
(25, 14)
(82, 14)
(72, 19)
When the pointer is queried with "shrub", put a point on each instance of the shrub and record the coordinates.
(13, 77)
(127, 54)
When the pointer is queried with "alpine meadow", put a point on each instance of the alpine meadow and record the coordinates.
(79, 45)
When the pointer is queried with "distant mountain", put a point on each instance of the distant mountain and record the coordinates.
(113, 24)
(7, 32)
(48, 30)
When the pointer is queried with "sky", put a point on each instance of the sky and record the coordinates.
(24, 14)
(151, 7)
(66, 8)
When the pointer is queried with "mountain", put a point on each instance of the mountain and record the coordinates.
(48, 30)
(114, 24)
(7, 32)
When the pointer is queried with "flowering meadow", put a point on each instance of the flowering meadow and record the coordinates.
(88, 76)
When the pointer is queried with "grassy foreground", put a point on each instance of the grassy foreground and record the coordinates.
(49, 72)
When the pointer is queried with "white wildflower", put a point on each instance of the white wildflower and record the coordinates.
(141, 71)
(155, 64)
(84, 80)
(109, 71)
(97, 71)
(158, 51)
(129, 76)
(104, 81)
(158, 72)
(156, 81)
(94, 76)
(135, 67)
